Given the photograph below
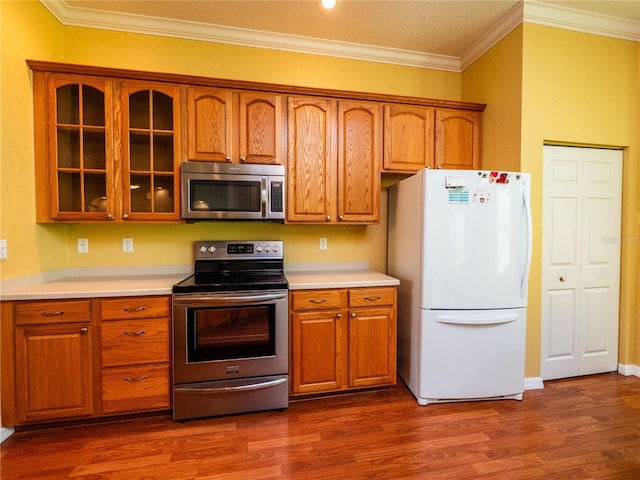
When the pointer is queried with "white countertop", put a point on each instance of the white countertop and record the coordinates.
(100, 282)
(132, 281)
(336, 275)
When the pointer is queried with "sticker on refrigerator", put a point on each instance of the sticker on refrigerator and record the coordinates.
(481, 196)
(458, 195)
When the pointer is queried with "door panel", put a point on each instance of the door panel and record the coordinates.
(581, 260)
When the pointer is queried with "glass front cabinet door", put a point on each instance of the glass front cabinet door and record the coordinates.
(106, 149)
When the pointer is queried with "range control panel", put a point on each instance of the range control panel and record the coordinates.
(238, 250)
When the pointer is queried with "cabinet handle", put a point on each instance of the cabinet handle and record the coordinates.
(129, 379)
(339, 316)
(328, 218)
(131, 310)
(320, 300)
(373, 299)
(52, 314)
(84, 330)
(140, 332)
(125, 216)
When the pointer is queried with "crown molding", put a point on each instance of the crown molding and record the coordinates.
(526, 11)
(542, 13)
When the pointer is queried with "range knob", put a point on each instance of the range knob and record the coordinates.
(267, 248)
(275, 248)
(258, 248)
(203, 249)
(212, 249)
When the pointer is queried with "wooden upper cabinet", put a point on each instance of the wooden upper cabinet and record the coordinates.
(458, 139)
(311, 160)
(359, 151)
(262, 133)
(333, 156)
(74, 147)
(150, 151)
(236, 127)
(209, 124)
(105, 149)
(408, 137)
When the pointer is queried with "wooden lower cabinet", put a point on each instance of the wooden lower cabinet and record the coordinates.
(81, 358)
(134, 347)
(342, 339)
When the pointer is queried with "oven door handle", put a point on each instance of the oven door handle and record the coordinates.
(217, 300)
(238, 388)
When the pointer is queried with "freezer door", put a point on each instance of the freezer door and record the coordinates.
(476, 240)
(471, 354)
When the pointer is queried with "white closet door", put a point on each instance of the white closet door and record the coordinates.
(582, 191)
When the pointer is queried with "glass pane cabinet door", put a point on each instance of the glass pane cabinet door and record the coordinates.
(80, 144)
(152, 168)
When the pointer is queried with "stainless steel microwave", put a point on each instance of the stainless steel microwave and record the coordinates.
(229, 191)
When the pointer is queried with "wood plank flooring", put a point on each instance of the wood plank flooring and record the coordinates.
(583, 428)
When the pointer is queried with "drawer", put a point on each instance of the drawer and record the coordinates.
(135, 389)
(52, 311)
(134, 307)
(134, 342)
(317, 299)
(371, 297)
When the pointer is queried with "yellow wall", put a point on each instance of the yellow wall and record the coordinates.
(35, 34)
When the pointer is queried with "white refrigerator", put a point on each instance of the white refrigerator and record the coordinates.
(460, 244)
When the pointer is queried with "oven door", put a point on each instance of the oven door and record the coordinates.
(222, 336)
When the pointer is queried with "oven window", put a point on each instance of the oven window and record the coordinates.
(230, 333)
(225, 196)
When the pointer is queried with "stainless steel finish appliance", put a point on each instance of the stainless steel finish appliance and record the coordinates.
(230, 331)
(226, 191)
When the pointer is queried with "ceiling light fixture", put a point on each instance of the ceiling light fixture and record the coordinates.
(328, 4)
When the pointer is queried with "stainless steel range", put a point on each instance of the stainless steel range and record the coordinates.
(230, 331)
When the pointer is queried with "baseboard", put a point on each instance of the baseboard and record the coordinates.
(533, 383)
(628, 370)
(5, 433)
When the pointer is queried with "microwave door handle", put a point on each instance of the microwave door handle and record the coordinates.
(264, 197)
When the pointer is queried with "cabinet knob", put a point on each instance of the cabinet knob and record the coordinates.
(341, 217)
(109, 216)
(328, 218)
(243, 159)
(339, 316)
(84, 330)
(353, 315)
(125, 216)
(228, 159)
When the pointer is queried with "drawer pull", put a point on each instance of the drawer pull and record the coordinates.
(321, 300)
(84, 330)
(138, 309)
(129, 379)
(373, 299)
(52, 314)
(140, 332)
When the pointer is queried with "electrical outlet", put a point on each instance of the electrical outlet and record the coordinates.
(323, 243)
(3, 249)
(83, 245)
(127, 244)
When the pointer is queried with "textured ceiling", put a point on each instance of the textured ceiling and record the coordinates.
(439, 27)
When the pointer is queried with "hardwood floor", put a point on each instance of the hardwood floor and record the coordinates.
(583, 428)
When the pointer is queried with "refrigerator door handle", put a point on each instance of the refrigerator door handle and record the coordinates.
(476, 319)
(526, 205)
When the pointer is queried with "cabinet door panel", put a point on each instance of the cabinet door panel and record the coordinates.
(53, 372)
(261, 128)
(408, 137)
(458, 139)
(319, 340)
(372, 353)
(310, 160)
(209, 124)
(359, 144)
